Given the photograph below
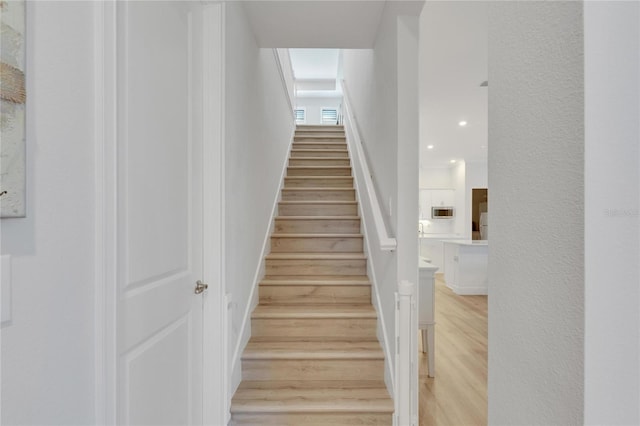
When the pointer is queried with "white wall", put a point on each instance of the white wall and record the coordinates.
(47, 350)
(536, 262)
(256, 152)
(435, 178)
(314, 106)
(612, 230)
(382, 85)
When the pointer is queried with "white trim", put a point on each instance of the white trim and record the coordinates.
(105, 249)
(406, 354)
(387, 243)
(215, 373)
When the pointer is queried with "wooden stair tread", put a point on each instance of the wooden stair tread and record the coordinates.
(319, 167)
(324, 202)
(316, 256)
(314, 311)
(317, 217)
(313, 396)
(318, 151)
(324, 349)
(319, 188)
(320, 158)
(316, 280)
(301, 235)
(318, 177)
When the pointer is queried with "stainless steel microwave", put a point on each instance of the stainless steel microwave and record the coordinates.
(442, 212)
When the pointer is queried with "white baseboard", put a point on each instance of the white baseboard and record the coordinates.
(469, 291)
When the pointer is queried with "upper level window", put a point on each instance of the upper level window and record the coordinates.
(329, 116)
(301, 116)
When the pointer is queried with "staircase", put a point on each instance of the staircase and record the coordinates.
(314, 358)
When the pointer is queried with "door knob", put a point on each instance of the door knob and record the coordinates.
(200, 287)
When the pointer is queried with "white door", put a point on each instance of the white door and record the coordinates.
(159, 216)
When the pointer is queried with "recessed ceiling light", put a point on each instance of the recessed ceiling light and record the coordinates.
(452, 161)
(429, 146)
(462, 123)
(483, 146)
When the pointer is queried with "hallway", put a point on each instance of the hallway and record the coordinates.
(458, 393)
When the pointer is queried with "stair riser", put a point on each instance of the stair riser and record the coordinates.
(320, 145)
(319, 182)
(335, 328)
(320, 153)
(317, 226)
(319, 138)
(319, 171)
(313, 369)
(315, 267)
(320, 127)
(316, 245)
(324, 162)
(318, 195)
(335, 136)
(312, 419)
(311, 294)
(317, 209)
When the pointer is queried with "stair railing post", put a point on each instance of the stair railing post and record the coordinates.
(406, 356)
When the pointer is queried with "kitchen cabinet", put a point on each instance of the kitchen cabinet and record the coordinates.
(442, 197)
(435, 198)
(465, 266)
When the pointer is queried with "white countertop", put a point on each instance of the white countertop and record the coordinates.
(442, 236)
(467, 242)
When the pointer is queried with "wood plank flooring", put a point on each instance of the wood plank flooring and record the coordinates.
(458, 394)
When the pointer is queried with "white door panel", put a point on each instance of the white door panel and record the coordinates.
(159, 210)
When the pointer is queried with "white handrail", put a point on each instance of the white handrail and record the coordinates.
(281, 56)
(387, 242)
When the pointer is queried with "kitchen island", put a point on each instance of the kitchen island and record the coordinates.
(465, 266)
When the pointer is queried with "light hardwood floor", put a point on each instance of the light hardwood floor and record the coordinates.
(458, 394)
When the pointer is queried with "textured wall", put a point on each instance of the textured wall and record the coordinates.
(536, 176)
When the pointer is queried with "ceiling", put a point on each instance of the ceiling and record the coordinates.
(316, 72)
(314, 64)
(453, 64)
(315, 23)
